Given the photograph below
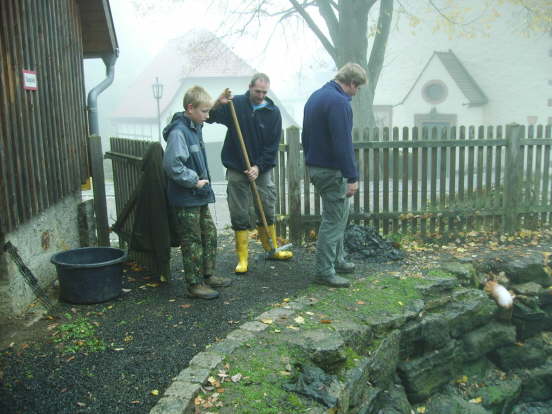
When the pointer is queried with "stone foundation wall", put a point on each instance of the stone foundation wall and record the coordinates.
(54, 230)
(450, 349)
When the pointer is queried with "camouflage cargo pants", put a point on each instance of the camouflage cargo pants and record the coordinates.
(198, 241)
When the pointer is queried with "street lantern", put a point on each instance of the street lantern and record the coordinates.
(157, 89)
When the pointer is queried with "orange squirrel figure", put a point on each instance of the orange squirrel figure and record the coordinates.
(504, 298)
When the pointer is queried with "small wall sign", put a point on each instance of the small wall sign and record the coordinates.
(30, 82)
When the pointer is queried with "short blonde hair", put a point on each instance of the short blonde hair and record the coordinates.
(351, 73)
(197, 96)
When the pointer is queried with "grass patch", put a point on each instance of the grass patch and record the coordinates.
(439, 273)
(373, 296)
(79, 335)
(264, 367)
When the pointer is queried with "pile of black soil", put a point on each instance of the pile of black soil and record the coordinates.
(364, 243)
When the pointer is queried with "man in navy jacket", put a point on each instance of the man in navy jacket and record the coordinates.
(328, 150)
(261, 126)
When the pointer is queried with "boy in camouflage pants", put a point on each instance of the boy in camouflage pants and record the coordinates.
(189, 194)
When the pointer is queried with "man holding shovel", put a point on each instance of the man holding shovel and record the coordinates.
(249, 153)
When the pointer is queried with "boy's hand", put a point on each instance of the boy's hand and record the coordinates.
(201, 183)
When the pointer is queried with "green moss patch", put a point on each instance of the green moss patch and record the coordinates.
(252, 381)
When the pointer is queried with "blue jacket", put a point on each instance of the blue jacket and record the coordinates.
(185, 163)
(327, 131)
(261, 130)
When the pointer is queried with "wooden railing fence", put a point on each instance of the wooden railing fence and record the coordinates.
(126, 156)
(426, 181)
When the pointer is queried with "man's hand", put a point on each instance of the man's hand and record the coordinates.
(201, 183)
(252, 173)
(352, 188)
(224, 97)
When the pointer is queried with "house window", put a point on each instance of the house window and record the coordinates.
(435, 91)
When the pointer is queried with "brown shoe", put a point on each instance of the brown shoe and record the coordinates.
(217, 281)
(202, 291)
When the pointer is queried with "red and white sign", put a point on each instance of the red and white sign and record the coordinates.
(30, 82)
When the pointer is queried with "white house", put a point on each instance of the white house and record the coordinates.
(197, 58)
(497, 76)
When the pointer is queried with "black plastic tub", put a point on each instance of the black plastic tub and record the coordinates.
(89, 274)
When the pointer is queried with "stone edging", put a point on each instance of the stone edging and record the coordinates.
(179, 397)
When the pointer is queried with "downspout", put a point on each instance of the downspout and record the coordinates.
(93, 124)
(96, 152)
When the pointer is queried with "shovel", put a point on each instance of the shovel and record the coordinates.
(256, 196)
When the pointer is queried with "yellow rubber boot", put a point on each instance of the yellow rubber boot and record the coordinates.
(281, 255)
(242, 240)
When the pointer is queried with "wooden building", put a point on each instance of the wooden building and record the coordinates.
(44, 129)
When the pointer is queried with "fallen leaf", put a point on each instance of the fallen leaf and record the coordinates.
(185, 306)
(236, 378)
(172, 300)
(153, 285)
(266, 321)
(135, 402)
(293, 328)
(421, 410)
(299, 320)
(309, 313)
(477, 400)
(81, 404)
(360, 302)
(286, 300)
(327, 321)
(154, 392)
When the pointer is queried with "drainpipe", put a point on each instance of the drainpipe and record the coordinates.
(96, 152)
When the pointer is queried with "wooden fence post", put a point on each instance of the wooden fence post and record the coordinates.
(294, 185)
(513, 172)
(98, 182)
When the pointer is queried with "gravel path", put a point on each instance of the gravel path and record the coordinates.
(151, 333)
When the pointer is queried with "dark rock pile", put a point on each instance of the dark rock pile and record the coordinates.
(364, 243)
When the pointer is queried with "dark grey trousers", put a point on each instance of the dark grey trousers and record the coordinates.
(335, 212)
(242, 206)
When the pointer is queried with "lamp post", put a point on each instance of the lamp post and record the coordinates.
(157, 95)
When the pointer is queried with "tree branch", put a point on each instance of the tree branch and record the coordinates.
(316, 30)
(328, 14)
(377, 53)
